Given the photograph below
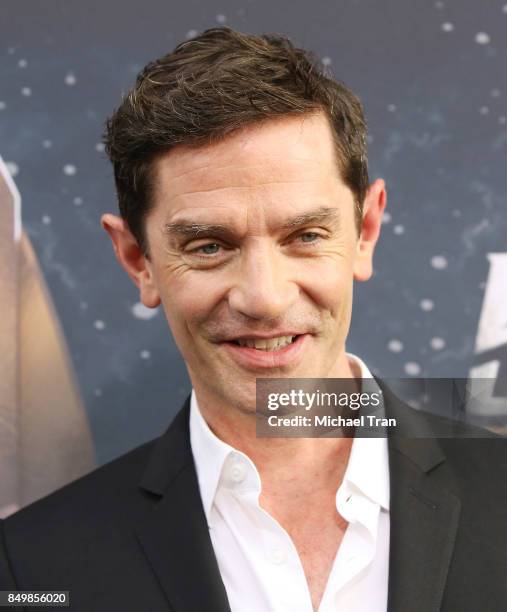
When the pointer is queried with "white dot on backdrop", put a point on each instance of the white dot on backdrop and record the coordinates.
(46, 219)
(22, 63)
(98, 392)
(427, 304)
(439, 262)
(3, 105)
(386, 217)
(69, 169)
(11, 50)
(504, 8)
(140, 311)
(221, 18)
(99, 325)
(12, 167)
(437, 344)
(46, 144)
(447, 27)
(391, 108)
(395, 346)
(484, 110)
(439, 5)
(456, 213)
(100, 146)
(399, 229)
(326, 61)
(481, 38)
(495, 93)
(502, 119)
(145, 354)
(412, 368)
(191, 34)
(70, 79)
(83, 305)
(78, 201)
(26, 91)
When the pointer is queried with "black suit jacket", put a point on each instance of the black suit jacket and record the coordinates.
(132, 535)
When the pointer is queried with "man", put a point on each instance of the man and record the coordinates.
(247, 213)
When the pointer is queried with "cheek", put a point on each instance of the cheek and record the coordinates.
(189, 299)
(329, 283)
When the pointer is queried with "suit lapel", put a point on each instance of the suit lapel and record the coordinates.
(424, 514)
(424, 518)
(173, 533)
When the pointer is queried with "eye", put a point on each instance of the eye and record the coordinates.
(309, 236)
(208, 249)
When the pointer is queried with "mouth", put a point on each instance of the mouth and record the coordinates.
(267, 353)
(266, 344)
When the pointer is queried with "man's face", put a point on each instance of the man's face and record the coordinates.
(253, 249)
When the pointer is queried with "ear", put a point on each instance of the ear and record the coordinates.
(132, 259)
(373, 209)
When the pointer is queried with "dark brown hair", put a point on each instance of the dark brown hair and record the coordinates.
(212, 85)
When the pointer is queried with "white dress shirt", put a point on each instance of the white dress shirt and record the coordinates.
(257, 559)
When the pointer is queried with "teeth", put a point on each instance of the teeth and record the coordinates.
(271, 344)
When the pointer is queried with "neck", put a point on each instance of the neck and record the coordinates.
(303, 465)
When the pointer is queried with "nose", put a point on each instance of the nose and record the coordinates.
(264, 287)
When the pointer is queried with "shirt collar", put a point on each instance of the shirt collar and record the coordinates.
(367, 469)
(368, 466)
(210, 454)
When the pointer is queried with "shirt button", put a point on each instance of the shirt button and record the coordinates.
(238, 472)
(277, 556)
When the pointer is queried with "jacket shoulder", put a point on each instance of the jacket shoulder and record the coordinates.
(89, 499)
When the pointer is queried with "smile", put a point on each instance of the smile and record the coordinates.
(267, 353)
(266, 344)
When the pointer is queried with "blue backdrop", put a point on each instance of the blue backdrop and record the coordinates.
(433, 80)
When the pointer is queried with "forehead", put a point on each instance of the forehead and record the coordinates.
(283, 162)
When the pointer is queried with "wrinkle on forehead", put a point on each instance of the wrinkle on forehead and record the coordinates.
(245, 176)
(238, 186)
(288, 163)
(295, 140)
(297, 136)
(268, 164)
(270, 191)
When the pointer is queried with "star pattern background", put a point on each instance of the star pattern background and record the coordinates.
(433, 80)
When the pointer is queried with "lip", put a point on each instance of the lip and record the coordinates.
(269, 336)
(252, 358)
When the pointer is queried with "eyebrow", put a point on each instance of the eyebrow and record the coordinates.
(191, 229)
(321, 214)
